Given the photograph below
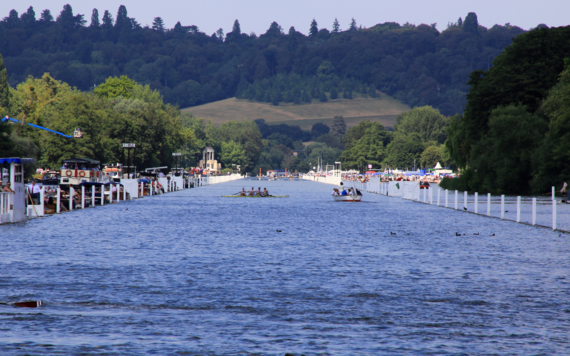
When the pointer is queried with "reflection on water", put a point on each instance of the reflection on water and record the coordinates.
(194, 273)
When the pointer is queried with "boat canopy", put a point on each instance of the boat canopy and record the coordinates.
(82, 161)
(16, 160)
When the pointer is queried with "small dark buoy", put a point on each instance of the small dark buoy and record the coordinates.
(475, 233)
(392, 233)
(278, 230)
(457, 234)
(127, 209)
(506, 211)
(493, 235)
(464, 208)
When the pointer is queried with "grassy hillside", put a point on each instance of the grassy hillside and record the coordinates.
(383, 110)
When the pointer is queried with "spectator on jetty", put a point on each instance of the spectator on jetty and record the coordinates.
(34, 192)
(8, 189)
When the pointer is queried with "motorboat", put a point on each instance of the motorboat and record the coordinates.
(349, 198)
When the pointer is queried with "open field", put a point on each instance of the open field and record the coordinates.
(383, 110)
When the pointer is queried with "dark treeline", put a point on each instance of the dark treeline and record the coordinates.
(513, 137)
(416, 64)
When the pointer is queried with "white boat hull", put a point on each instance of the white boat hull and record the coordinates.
(348, 198)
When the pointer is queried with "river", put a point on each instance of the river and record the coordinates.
(192, 273)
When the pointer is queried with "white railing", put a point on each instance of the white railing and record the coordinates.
(335, 180)
(221, 179)
(4, 203)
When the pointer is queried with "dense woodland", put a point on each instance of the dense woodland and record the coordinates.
(416, 64)
(511, 138)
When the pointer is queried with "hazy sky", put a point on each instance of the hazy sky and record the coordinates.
(257, 15)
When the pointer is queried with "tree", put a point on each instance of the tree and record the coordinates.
(220, 34)
(46, 16)
(336, 26)
(314, 30)
(319, 129)
(471, 25)
(95, 19)
(323, 97)
(501, 161)
(334, 93)
(460, 22)
(232, 154)
(338, 126)
(115, 87)
(236, 29)
(29, 17)
(551, 161)
(123, 22)
(426, 121)
(4, 89)
(368, 149)
(107, 20)
(353, 26)
(430, 156)
(158, 25)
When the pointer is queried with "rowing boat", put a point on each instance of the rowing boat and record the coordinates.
(254, 196)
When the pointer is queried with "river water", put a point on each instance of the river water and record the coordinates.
(192, 273)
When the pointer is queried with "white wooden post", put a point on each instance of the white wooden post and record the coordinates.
(430, 195)
(534, 211)
(42, 199)
(58, 207)
(464, 200)
(456, 192)
(518, 209)
(502, 206)
(142, 190)
(554, 214)
(438, 193)
(124, 193)
(552, 193)
(92, 196)
(425, 190)
(151, 190)
(488, 204)
(82, 197)
(476, 197)
(102, 194)
(446, 196)
(118, 192)
(71, 196)
(111, 193)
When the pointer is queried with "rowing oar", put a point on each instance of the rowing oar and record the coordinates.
(28, 304)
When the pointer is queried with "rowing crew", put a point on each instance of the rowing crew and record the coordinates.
(254, 192)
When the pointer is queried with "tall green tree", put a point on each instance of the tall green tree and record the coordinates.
(158, 24)
(4, 88)
(336, 26)
(338, 126)
(314, 30)
(95, 19)
(426, 121)
(471, 25)
(353, 26)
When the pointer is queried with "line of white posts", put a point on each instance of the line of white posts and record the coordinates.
(383, 189)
